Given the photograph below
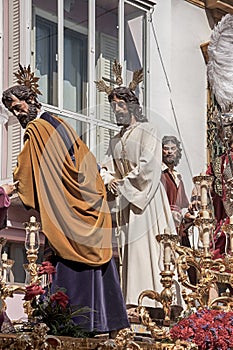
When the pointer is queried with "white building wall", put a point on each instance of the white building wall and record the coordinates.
(180, 30)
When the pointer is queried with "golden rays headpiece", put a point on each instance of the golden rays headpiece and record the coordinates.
(26, 77)
(117, 71)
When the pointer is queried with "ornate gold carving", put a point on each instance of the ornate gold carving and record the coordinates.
(117, 71)
(216, 164)
(165, 297)
(209, 271)
(36, 340)
(26, 77)
(125, 338)
(32, 341)
(156, 332)
(137, 78)
(103, 87)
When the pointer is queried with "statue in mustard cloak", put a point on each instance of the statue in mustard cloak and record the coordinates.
(58, 176)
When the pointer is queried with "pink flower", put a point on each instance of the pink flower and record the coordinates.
(32, 291)
(61, 298)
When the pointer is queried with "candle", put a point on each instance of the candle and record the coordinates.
(4, 274)
(206, 239)
(33, 219)
(205, 214)
(231, 219)
(231, 241)
(4, 256)
(32, 239)
(167, 254)
(167, 231)
(204, 195)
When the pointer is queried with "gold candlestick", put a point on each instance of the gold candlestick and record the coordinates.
(32, 243)
(4, 267)
(205, 222)
(165, 297)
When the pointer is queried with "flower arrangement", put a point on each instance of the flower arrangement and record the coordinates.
(54, 309)
(210, 329)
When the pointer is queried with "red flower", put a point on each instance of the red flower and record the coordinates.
(60, 298)
(32, 291)
(208, 329)
(46, 267)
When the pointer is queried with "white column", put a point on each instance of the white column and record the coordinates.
(146, 68)
(25, 31)
(121, 29)
(60, 53)
(91, 75)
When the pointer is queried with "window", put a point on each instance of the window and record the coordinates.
(120, 35)
(71, 32)
(65, 39)
(46, 63)
(134, 51)
(75, 67)
(106, 51)
(71, 43)
(75, 55)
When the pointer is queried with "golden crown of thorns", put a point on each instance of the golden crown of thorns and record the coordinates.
(117, 70)
(26, 77)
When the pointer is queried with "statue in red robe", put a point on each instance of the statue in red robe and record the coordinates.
(174, 186)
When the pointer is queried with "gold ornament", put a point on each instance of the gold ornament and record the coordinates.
(26, 77)
(137, 78)
(117, 71)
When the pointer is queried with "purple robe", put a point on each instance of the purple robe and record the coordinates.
(97, 288)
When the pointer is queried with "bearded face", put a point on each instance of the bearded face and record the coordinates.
(170, 154)
(123, 117)
(24, 111)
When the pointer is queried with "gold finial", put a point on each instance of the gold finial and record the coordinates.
(137, 78)
(102, 87)
(26, 77)
(117, 70)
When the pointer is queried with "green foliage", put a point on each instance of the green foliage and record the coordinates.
(58, 318)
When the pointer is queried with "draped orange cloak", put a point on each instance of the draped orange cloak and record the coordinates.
(71, 198)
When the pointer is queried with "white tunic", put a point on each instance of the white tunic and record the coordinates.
(143, 205)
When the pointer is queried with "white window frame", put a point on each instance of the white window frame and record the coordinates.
(27, 56)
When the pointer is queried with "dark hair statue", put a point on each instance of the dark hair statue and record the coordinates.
(23, 93)
(124, 93)
(173, 139)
